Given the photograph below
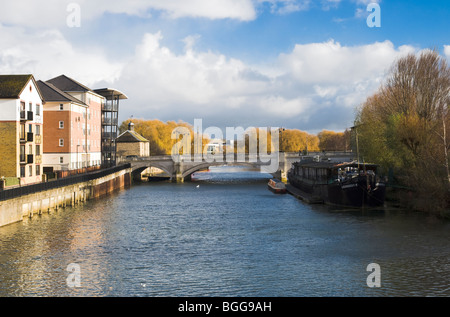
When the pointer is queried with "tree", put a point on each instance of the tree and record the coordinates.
(405, 126)
(159, 134)
(334, 141)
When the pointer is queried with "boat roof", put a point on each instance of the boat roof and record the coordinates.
(331, 165)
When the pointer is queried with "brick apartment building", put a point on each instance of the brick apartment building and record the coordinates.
(55, 125)
(21, 128)
(72, 115)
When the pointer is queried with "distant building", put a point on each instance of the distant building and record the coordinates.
(73, 117)
(131, 143)
(21, 128)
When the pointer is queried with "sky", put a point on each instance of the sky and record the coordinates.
(296, 64)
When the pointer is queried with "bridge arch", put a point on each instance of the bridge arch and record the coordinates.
(188, 172)
(137, 170)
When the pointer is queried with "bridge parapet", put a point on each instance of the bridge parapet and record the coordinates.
(181, 166)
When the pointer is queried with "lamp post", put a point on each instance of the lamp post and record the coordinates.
(280, 130)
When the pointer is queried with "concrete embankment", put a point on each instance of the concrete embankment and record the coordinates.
(16, 204)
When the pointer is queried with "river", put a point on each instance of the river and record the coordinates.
(223, 236)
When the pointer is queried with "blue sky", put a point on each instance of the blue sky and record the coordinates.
(304, 64)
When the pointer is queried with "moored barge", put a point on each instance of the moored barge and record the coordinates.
(350, 184)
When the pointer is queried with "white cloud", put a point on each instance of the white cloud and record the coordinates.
(311, 81)
(447, 51)
(47, 54)
(319, 82)
(56, 11)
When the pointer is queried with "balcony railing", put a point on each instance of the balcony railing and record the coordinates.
(109, 135)
(38, 139)
(26, 115)
(109, 121)
(107, 148)
(108, 107)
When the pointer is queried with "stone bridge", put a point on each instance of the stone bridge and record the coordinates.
(179, 168)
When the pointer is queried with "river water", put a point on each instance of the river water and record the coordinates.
(223, 236)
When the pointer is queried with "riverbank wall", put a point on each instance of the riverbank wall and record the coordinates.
(26, 201)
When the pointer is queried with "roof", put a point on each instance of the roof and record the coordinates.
(68, 84)
(11, 86)
(52, 93)
(130, 136)
(330, 165)
(109, 93)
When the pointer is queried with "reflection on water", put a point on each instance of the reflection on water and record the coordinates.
(223, 236)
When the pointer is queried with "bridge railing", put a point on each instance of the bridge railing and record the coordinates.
(234, 157)
(70, 180)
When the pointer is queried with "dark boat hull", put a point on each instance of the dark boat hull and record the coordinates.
(352, 194)
(356, 195)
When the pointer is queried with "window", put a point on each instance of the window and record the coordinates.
(30, 149)
(38, 149)
(61, 159)
(30, 170)
(30, 107)
(38, 110)
(22, 171)
(61, 124)
(61, 106)
(38, 170)
(61, 142)
(22, 155)
(38, 130)
(22, 131)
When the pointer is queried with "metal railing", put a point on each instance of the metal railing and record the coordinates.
(26, 115)
(67, 181)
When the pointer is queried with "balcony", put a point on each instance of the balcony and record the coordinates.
(107, 149)
(109, 135)
(38, 159)
(110, 108)
(38, 139)
(30, 159)
(26, 115)
(109, 121)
